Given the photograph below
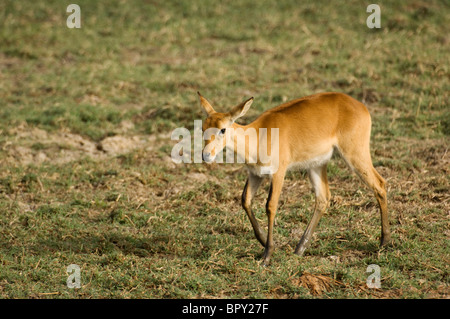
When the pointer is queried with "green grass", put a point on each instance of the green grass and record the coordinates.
(140, 226)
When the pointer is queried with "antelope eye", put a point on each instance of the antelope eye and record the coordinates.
(222, 131)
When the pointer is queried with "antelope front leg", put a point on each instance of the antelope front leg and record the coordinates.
(271, 209)
(252, 185)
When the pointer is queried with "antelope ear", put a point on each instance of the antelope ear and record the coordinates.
(205, 104)
(241, 109)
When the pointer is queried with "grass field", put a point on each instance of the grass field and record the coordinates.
(86, 176)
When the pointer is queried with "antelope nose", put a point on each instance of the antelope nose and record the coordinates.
(205, 157)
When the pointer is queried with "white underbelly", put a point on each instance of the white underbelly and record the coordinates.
(269, 170)
(312, 162)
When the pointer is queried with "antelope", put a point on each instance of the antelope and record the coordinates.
(310, 129)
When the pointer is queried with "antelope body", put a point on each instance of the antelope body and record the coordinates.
(310, 129)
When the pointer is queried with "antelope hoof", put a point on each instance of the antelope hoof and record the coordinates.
(385, 241)
(266, 256)
(299, 251)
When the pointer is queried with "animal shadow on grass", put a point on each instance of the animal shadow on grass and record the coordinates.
(358, 246)
(104, 244)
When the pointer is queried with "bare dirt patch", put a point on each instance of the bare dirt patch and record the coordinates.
(34, 145)
(317, 284)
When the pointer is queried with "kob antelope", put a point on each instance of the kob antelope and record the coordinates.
(310, 129)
